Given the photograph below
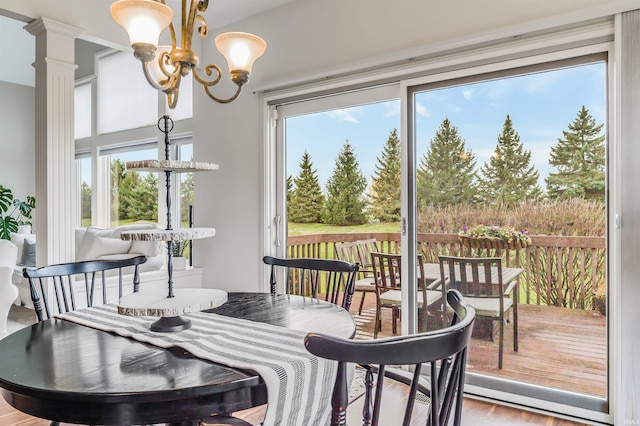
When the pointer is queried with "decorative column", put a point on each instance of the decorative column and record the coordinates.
(55, 150)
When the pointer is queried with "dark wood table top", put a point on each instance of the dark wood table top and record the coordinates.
(58, 370)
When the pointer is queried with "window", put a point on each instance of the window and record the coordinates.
(133, 195)
(82, 110)
(83, 173)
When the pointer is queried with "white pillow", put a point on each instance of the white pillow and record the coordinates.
(18, 240)
(101, 246)
(148, 248)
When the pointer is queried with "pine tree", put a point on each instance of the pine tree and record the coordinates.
(446, 174)
(386, 182)
(307, 199)
(509, 177)
(580, 161)
(345, 202)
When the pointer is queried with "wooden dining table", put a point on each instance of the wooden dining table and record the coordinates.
(63, 371)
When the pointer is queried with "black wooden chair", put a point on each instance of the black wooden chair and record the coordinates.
(65, 276)
(479, 280)
(329, 280)
(445, 350)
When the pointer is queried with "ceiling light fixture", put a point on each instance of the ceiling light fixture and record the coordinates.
(164, 66)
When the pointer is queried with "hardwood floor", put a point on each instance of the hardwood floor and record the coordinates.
(475, 413)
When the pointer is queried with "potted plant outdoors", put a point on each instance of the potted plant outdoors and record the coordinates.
(14, 213)
(179, 261)
(493, 237)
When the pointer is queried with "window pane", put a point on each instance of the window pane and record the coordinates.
(125, 98)
(186, 186)
(134, 195)
(82, 111)
(85, 191)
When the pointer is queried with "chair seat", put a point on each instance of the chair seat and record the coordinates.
(488, 307)
(394, 297)
(365, 284)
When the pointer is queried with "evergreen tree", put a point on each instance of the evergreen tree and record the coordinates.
(386, 182)
(446, 172)
(345, 201)
(186, 196)
(289, 194)
(580, 161)
(85, 194)
(307, 199)
(509, 177)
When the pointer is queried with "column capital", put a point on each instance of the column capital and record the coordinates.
(43, 24)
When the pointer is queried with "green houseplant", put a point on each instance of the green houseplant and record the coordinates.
(14, 212)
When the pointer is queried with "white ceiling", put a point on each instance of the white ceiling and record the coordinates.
(17, 44)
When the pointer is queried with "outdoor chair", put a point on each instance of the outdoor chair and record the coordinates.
(365, 283)
(445, 350)
(479, 280)
(65, 276)
(330, 280)
(388, 277)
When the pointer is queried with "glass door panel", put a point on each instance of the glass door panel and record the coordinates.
(517, 163)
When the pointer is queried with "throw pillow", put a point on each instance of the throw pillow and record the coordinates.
(147, 248)
(101, 246)
(28, 254)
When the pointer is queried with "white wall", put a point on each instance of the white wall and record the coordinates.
(17, 139)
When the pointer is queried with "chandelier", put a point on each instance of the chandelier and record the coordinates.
(164, 66)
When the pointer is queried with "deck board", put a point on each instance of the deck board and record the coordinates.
(557, 347)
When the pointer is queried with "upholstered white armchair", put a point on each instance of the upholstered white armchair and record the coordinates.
(8, 291)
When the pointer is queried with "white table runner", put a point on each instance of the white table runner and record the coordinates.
(299, 384)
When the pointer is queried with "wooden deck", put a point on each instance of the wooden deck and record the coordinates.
(557, 347)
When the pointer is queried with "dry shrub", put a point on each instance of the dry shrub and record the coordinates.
(574, 217)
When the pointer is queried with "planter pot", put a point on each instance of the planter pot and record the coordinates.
(491, 243)
(179, 263)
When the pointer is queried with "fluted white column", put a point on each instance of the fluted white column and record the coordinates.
(55, 153)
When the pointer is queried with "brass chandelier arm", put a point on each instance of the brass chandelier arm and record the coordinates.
(206, 84)
(164, 85)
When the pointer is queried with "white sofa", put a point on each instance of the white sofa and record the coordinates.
(91, 244)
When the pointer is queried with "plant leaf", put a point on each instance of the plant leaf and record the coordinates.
(7, 226)
(6, 198)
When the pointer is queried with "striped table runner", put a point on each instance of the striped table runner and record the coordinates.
(299, 384)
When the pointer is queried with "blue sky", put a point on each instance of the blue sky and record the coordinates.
(540, 105)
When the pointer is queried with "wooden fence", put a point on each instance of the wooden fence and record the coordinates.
(558, 271)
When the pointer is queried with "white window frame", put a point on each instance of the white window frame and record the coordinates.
(497, 55)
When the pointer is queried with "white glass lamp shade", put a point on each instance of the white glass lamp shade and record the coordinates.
(143, 20)
(240, 50)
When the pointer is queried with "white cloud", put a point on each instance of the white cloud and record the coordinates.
(345, 114)
(468, 94)
(393, 109)
(422, 110)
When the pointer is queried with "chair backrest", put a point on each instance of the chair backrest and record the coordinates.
(365, 248)
(331, 280)
(445, 350)
(65, 276)
(473, 276)
(387, 270)
(347, 252)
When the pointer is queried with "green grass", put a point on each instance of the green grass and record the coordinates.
(319, 228)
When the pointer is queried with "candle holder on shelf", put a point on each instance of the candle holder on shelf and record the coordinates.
(169, 307)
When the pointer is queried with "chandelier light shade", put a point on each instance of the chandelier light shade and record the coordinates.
(164, 66)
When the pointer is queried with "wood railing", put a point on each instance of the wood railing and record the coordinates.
(558, 270)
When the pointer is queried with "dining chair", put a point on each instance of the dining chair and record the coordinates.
(445, 351)
(479, 280)
(365, 283)
(64, 277)
(387, 269)
(330, 280)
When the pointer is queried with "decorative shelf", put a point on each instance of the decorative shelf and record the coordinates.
(180, 234)
(171, 166)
